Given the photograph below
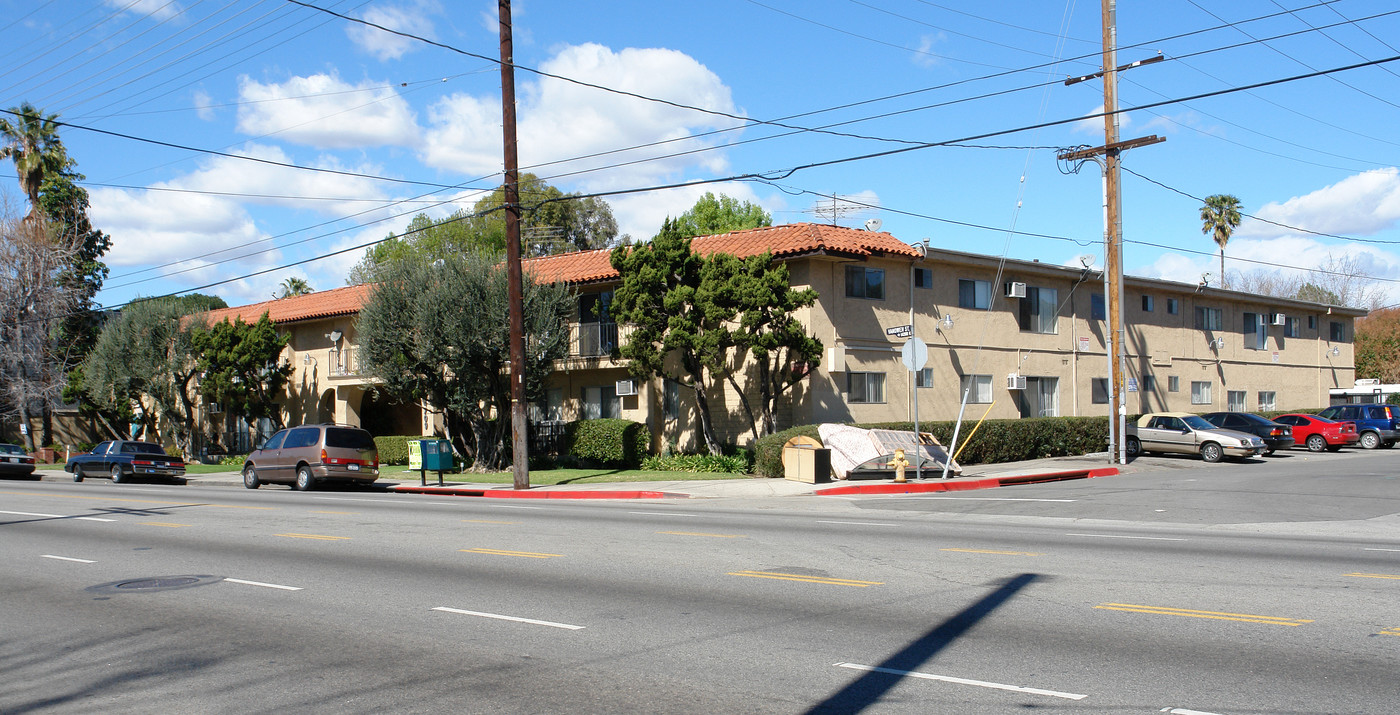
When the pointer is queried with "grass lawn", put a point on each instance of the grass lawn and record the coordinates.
(545, 477)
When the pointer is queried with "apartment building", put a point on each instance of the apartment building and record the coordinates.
(1021, 338)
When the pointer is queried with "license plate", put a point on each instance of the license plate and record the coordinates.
(353, 467)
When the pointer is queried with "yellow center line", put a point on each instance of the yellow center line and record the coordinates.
(807, 579)
(161, 523)
(701, 533)
(488, 521)
(334, 512)
(315, 536)
(988, 551)
(501, 552)
(1390, 632)
(1213, 615)
(137, 501)
(1375, 575)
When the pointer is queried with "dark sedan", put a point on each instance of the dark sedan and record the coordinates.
(14, 461)
(122, 459)
(1275, 435)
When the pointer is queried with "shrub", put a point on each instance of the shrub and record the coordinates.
(173, 452)
(608, 442)
(704, 463)
(768, 450)
(393, 449)
(233, 460)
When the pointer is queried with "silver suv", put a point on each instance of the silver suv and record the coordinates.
(303, 456)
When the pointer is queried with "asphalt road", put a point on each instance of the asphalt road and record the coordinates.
(1232, 589)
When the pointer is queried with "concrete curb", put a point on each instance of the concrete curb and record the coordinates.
(536, 493)
(960, 485)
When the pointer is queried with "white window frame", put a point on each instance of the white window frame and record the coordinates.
(1200, 392)
(981, 389)
(1237, 400)
(1173, 383)
(1268, 400)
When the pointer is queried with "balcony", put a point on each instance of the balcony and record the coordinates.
(343, 362)
(593, 339)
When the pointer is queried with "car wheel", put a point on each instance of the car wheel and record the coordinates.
(1316, 443)
(250, 477)
(305, 482)
(1211, 452)
(117, 476)
(77, 472)
(1134, 448)
(1370, 440)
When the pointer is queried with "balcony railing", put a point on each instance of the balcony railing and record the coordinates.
(594, 339)
(344, 362)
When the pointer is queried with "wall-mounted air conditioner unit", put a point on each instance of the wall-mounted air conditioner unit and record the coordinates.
(1015, 382)
(626, 388)
(1015, 290)
(214, 408)
(1280, 319)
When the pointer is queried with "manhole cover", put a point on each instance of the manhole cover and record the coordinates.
(159, 582)
(152, 584)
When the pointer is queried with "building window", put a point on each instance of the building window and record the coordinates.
(978, 389)
(924, 378)
(1338, 333)
(1173, 306)
(601, 402)
(862, 282)
(923, 278)
(550, 408)
(671, 399)
(1256, 336)
(1209, 319)
(1200, 393)
(1312, 322)
(1096, 309)
(1147, 304)
(1039, 309)
(1290, 328)
(1149, 383)
(974, 294)
(1266, 401)
(865, 387)
(1173, 383)
(597, 332)
(1041, 398)
(1100, 391)
(1235, 401)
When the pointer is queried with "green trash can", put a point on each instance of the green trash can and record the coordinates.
(437, 455)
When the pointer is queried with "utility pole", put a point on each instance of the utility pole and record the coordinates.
(519, 436)
(1113, 224)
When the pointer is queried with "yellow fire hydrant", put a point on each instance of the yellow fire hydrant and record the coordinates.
(899, 463)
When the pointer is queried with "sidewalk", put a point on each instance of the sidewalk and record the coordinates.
(974, 477)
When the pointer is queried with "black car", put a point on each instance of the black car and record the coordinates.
(1275, 435)
(122, 459)
(14, 461)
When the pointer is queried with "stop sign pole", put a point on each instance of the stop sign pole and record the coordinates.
(915, 355)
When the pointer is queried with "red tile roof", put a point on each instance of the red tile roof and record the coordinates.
(787, 240)
(591, 266)
(321, 304)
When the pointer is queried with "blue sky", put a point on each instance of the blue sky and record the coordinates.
(276, 81)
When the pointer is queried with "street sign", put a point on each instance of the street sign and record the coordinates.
(1132, 384)
(900, 331)
(915, 354)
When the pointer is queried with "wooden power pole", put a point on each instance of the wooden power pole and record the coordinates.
(519, 435)
(1113, 223)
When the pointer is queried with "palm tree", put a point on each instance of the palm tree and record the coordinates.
(1219, 216)
(31, 140)
(294, 286)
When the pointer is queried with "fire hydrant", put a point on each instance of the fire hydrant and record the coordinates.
(899, 463)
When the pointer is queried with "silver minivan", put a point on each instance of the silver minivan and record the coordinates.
(304, 456)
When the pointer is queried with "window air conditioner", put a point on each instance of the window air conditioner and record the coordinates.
(1280, 319)
(626, 388)
(1015, 290)
(1016, 382)
(214, 408)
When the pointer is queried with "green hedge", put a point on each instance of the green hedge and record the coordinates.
(768, 451)
(608, 442)
(705, 463)
(393, 449)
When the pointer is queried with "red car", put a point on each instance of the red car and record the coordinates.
(1320, 433)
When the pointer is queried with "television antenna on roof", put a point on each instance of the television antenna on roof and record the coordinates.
(831, 209)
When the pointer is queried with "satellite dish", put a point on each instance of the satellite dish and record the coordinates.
(873, 224)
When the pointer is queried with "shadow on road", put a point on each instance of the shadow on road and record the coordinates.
(870, 687)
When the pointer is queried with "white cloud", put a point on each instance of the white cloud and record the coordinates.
(1094, 124)
(641, 215)
(411, 18)
(925, 56)
(148, 228)
(323, 111)
(560, 120)
(1363, 204)
(156, 9)
(203, 105)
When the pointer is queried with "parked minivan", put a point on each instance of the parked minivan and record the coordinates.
(303, 456)
(1378, 425)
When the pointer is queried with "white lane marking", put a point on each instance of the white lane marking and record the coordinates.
(67, 558)
(264, 585)
(986, 499)
(1370, 549)
(517, 619)
(54, 516)
(963, 681)
(661, 513)
(856, 523)
(1117, 536)
(1184, 711)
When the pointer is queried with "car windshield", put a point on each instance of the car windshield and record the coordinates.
(348, 438)
(142, 448)
(1196, 422)
(1254, 418)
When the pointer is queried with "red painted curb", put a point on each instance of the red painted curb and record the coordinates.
(536, 494)
(961, 485)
